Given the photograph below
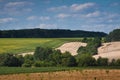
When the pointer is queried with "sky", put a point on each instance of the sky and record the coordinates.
(89, 15)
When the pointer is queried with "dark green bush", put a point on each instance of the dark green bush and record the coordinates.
(85, 60)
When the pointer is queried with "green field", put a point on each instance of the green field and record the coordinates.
(17, 70)
(20, 45)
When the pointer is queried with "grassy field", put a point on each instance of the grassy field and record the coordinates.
(20, 45)
(58, 73)
(17, 70)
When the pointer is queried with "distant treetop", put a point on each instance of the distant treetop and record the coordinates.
(48, 33)
(114, 35)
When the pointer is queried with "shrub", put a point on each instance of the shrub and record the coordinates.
(42, 53)
(86, 60)
(102, 61)
(117, 62)
(91, 47)
(27, 63)
(9, 60)
(68, 60)
(56, 57)
(43, 64)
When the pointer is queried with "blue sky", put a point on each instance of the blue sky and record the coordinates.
(90, 15)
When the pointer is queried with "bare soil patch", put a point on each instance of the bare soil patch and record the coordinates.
(71, 47)
(30, 53)
(109, 50)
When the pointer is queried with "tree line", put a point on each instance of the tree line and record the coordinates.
(47, 57)
(48, 33)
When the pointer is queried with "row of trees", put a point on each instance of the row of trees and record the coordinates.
(45, 57)
(48, 33)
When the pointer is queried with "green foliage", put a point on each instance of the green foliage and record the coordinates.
(102, 61)
(68, 60)
(27, 63)
(43, 64)
(42, 53)
(91, 47)
(112, 63)
(29, 57)
(118, 62)
(45, 33)
(85, 40)
(56, 57)
(28, 60)
(85, 60)
(113, 36)
(9, 60)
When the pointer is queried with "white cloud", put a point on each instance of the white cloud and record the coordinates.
(5, 20)
(32, 18)
(57, 8)
(17, 4)
(62, 15)
(13, 8)
(78, 7)
(100, 27)
(44, 18)
(93, 14)
(73, 7)
(47, 26)
(115, 4)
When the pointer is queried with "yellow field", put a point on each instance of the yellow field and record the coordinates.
(19, 45)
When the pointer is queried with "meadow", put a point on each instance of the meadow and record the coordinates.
(20, 45)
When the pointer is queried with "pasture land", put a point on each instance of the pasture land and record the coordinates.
(21, 45)
(62, 74)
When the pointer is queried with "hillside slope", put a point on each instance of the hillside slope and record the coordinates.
(109, 50)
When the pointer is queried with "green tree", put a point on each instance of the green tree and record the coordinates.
(42, 53)
(68, 60)
(102, 61)
(117, 62)
(56, 57)
(113, 36)
(9, 60)
(85, 60)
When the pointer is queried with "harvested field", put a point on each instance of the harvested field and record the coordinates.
(109, 50)
(96, 74)
(71, 47)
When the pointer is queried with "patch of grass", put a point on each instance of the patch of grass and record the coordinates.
(17, 70)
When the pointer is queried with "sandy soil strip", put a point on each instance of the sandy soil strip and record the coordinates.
(71, 47)
(109, 50)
